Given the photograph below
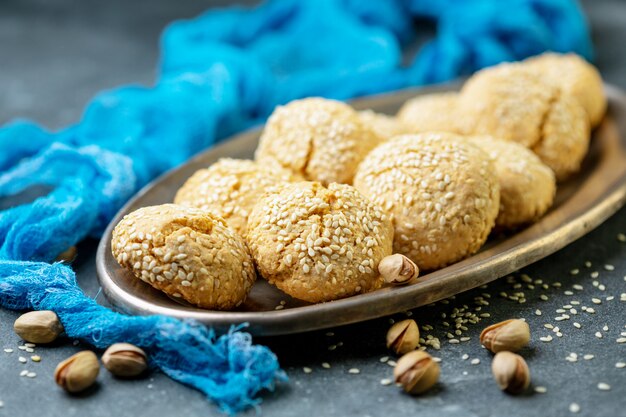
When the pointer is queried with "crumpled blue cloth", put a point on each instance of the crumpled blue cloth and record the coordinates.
(220, 73)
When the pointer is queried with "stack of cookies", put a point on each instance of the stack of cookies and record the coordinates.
(333, 191)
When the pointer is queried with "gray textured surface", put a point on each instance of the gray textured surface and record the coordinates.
(55, 57)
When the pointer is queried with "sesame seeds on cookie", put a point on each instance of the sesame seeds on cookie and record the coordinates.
(321, 140)
(187, 253)
(441, 190)
(319, 243)
(230, 188)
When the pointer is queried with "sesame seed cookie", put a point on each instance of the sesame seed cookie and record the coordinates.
(432, 113)
(384, 125)
(513, 102)
(319, 139)
(575, 77)
(186, 253)
(442, 191)
(319, 243)
(527, 185)
(230, 188)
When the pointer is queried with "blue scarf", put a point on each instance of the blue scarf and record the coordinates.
(220, 73)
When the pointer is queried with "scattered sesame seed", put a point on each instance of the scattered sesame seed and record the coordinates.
(603, 386)
(8, 350)
(24, 373)
(385, 381)
(475, 361)
(354, 371)
(541, 390)
(574, 408)
(588, 357)
(35, 358)
(537, 312)
(596, 301)
(22, 359)
(620, 365)
(543, 297)
(465, 356)
(392, 363)
(599, 335)
(546, 338)
(31, 375)
(621, 340)
(325, 365)
(574, 271)
(307, 370)
(621, 237)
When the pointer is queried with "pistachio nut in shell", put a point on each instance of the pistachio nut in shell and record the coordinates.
(397, 269)
(403, 336)
(125, 360)
(511, 335)
(41, 326)
(78, 372)
(510, 372)
(416, 371)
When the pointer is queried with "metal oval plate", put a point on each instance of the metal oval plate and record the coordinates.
(582, 203)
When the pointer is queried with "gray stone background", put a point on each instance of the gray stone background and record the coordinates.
(57, 55)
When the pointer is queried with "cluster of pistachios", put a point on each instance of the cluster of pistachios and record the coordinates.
(509, 369)
(417, 372)
(80, 371)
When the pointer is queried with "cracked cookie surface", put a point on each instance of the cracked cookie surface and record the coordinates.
(513, 102)
(187, 253)
(321, 140)
(319, 243)
(441, 190)
(230, 188)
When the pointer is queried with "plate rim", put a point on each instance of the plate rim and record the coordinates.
(298, 319)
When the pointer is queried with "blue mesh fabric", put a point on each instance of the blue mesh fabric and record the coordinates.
(219, 73)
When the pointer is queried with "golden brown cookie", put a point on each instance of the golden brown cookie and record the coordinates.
(230, 188)
(575, 77)
(565, 138)
(513, 102)
(442, 191)
(432, 113)
(186, 253)
(319, 139)
(527, 185)
(319, 243)
(384, 125)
